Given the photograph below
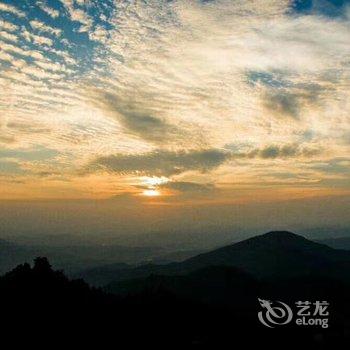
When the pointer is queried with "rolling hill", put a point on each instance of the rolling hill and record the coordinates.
(12, 254)
(272, 255)
(337, 243)
(213, 307)
(75, 257)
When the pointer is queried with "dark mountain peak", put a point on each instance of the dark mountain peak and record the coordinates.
(276, 252)
(282, 234)
(280, 239)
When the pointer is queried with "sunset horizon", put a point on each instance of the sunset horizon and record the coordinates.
(175, 173)
(102, 100)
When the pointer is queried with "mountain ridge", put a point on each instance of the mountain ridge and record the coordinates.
(276, 253)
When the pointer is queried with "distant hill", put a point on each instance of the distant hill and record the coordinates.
(12, 254)
(274, 254)
(213, 307)
(73, 258)
(176, 256)
(278, 253)
(337, 243)
(210, 285)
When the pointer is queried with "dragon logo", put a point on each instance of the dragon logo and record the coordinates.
(272, 315)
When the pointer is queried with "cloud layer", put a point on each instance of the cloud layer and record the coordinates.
(162, 162)
(203, 92)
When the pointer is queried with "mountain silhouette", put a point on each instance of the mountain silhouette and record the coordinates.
(274, 254)
(43, 306)
(277, 253)
(211, 285)
(12, 254)
(337, 243)
(213, 307)
(75, 256)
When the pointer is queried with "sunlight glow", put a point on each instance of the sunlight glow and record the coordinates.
(154, 180)
(151, 193)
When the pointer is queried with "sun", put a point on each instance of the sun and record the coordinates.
(154, 180)
(151, 193)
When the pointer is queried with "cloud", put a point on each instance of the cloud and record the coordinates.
(37, 39)
(292, 101)
(28, 128)
(8, 36)
(7, 139)
(186, 187)
(282, 104)
(193, 66)
(8, 26)
(137, 119)
(11, 9)
(285, 151)
(40, 73)
(99, 34)
(161, 162)
(5, 56)
(340, 165)
(78, 15)
(181, 78)
(38, 153)
(49, 10)
(272, 151)
(166, 163)
(346, 137)
(18, 50)
(42, 27)
(11, 168)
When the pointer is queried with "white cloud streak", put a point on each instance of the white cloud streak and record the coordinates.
(50, 11)
(11, 9)
(42, 27)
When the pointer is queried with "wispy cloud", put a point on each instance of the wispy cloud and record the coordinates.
(78, 15)
(161, 162)
(201, 91)
(42, 27)
(11, 9)
(49, 10)
(138, 118)
(189, 187)
(8, 26)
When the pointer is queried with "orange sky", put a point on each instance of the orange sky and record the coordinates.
(185, 101)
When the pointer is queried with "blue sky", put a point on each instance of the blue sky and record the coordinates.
(73, 35)
(328, 8)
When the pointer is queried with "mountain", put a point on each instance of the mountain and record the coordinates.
(337, 243)
(210, 285)
(214, 307)
(12, 254)
(176, 256)
(75, 257)
(274, 254)
(278, 253)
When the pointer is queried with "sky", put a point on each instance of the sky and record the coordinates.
(175, 103)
